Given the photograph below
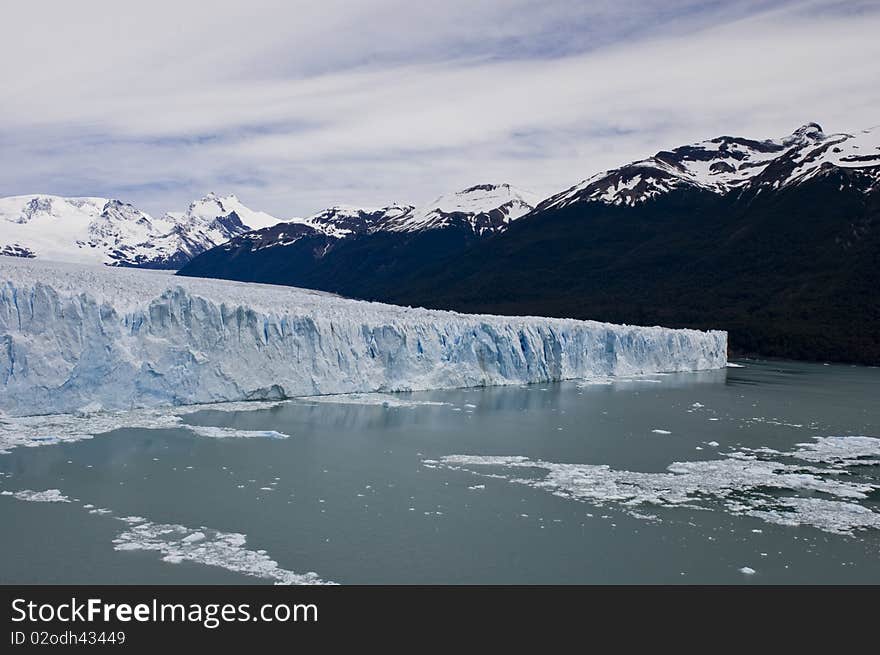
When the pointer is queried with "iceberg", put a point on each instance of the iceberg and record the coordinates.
(74, 337)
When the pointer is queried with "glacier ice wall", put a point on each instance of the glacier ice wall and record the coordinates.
(74, 336)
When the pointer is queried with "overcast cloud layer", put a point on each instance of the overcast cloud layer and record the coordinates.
(295, 106)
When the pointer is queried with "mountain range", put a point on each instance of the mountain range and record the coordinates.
(774, 240)
(108, 231)
(364, 252)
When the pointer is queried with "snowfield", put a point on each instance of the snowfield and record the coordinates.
(75, 336)
(114, 233)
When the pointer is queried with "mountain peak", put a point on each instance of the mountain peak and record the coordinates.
(481, 198)
(725, 163)
(484, 187)
(213, 206)
(481, 208)
(805, 133)
(340, 221)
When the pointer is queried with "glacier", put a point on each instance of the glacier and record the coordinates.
(77, 336)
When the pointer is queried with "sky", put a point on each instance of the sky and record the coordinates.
(296, 106)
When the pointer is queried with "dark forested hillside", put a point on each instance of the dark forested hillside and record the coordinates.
(790, 274)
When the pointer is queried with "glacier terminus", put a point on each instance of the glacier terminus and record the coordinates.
(78, 336)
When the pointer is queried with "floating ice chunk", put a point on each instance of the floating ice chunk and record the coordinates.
(659, 431)
(47, 496)
(620, 380)
(747, 570)
(595, 381)
(828, 515)
(739, 484)
(30, 431)
(841, 451)
(177, 543)
(382, 399)
(88, 410)
(233, 433)
(771, 421)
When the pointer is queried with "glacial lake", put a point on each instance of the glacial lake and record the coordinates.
(713, 477)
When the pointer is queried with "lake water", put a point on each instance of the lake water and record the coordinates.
(403, 488)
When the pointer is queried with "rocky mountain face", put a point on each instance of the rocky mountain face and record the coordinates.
(730, 164)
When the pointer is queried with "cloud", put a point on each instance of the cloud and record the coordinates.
(295, 106)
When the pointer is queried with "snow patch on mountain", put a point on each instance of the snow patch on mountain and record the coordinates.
(727, 163)
(483, 208)
(341, 221)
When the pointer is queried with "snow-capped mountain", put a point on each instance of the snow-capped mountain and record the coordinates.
(111, 232)
(344, 220)
(344, 245)
(212, 206)
(325, 228)
(483, 208)
(728, 163)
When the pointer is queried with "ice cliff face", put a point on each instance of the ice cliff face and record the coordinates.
(79, 336)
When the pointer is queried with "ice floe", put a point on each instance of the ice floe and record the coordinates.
(620, 380)
(47, 496)
(233, 433)
(841, 452)
(744, 482)
(834, 516)
(382, 399)
(30, 431)
(178, 543)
